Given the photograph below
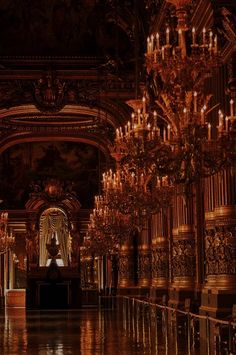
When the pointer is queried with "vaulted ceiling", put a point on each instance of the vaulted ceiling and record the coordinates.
(67, 69)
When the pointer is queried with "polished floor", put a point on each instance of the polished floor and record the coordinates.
(85, 332)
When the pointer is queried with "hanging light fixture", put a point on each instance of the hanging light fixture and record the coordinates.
(6, 240)
(107, 228)
(178, 65)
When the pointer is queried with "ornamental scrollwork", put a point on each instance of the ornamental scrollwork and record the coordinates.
(220, 252)
(183, 259)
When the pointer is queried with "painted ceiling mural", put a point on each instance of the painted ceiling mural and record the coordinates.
(61, 27)
(77, 165)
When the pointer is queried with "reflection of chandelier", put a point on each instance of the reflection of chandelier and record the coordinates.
(107, 228)
(6, 240)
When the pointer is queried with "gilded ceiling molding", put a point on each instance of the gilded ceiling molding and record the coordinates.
(78, 115)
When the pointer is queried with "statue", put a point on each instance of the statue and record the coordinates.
(32, 243)
(53, 249)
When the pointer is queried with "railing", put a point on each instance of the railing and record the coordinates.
(159, 326)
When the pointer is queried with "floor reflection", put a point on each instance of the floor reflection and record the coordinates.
(86, 332)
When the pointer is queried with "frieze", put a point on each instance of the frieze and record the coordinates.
(220, 251)
(183, 258)
(50, 93)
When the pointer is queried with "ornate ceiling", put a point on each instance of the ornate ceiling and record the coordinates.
(68, 67)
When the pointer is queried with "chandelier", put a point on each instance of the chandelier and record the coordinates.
(136, 188)
(181, 59)
(178, 64)
(107, 228)
(6, 240)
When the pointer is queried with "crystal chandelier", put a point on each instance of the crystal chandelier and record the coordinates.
(6, 240)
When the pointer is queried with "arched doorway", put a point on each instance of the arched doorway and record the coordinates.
(54, 223)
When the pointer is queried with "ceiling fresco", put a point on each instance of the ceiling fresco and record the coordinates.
(23, 167)
(64, 27)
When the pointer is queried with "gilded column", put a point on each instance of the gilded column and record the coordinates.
(183, 262)
(220, 243)
(160, 253)
(126, 266)
(144, 257)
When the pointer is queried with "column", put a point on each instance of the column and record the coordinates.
(160, 254)
(219, 291)
(183, 262)
(144, 258)
(126, 267)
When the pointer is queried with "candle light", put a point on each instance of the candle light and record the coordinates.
(132, 119)
(204, 36)
(180, 37)
(209, 131)
(194, 36)
(152, 40)
(162, 52)
(215, 44)
(227, 124)
(231, 108)
(158, 40)
(167, 36)
(168, 132)
(195, 101)
(148, 41)
(144, 105)
(211, 37)
(202, 116)
(185, 113)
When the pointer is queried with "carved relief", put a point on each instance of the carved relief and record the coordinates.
(220, 252)
(126, 269)
(183, 260)
(160, 262)
(49, 93)
(144, 266)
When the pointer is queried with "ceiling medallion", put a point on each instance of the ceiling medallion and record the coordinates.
(49, 93)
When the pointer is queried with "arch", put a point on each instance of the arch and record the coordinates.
(25, 137)
(54, 223)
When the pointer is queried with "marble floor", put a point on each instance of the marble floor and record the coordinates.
(85, 332)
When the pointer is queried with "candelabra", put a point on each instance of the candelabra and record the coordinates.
(6, 240)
